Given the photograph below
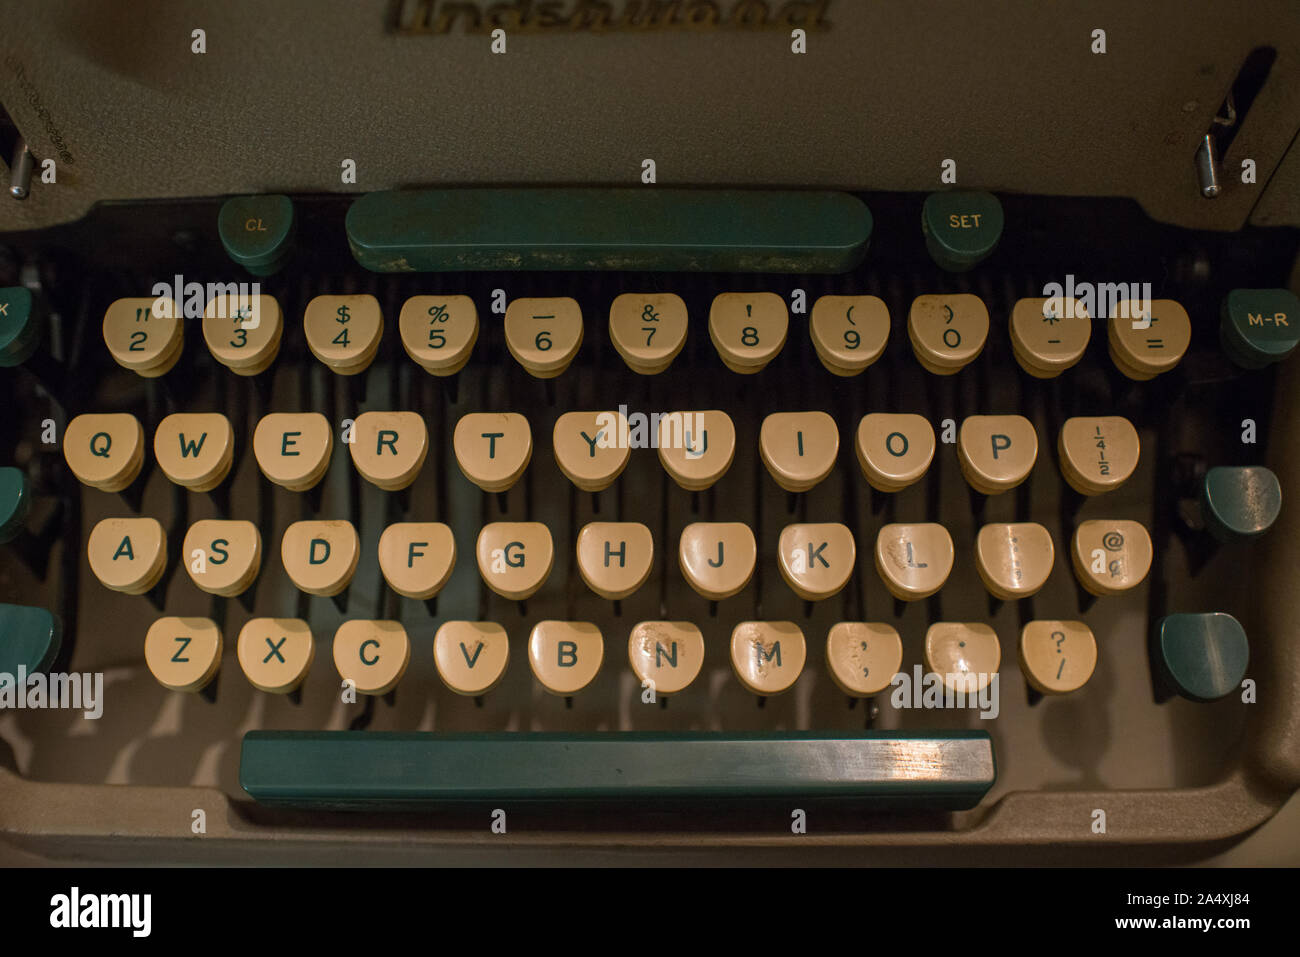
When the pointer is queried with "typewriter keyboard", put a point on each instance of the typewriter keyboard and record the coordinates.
(359, 538)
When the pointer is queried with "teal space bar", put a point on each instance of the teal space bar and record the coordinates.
(438, 230)
(398, 770)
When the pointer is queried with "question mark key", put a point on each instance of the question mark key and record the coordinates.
(1057, 657)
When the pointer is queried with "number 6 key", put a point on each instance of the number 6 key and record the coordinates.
(544, 334)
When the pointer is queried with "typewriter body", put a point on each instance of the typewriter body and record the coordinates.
(630, 424)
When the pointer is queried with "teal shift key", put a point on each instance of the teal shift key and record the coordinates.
(437, 230)
(1202, 657)
(30, 639)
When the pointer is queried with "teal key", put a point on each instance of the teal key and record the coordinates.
(22, 323)
(29, 639)
(437, 230)
(15, 501)
(1258, 327)
(961, 227)
(257, 231)
(404, 770)
(1203, 656)
(1240, 503)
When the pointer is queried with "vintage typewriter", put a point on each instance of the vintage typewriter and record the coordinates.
(450, 431)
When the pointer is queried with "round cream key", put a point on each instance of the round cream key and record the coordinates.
(144, 334)
(648, 330)
(947, 331)
(615, 558)
(515, 558)
(914, 560)
(696, 448)
(544, 334)
(344, 331)
(320, 556)
(127, 554)
(666, 655)
(849, 332)
(997, 452)
(799, 448)
(372, 654)
(717, 558)
(748, 329)
(863, 656)
(388, 448)
(471, 656)
(222, 557)
(275, 653)
(439, 332)
(104, 450)
(493, 448)
(767, 656)
(417, 558)
(965, 655)
(1110, 556)
(293, 448)
(894, 450)
(817, 559)
(183, 654)
(195, 449)
(1048, 336)
(243, 332)
(591, 448)
(1144, 344)
(1015, 559)
(565, 655)
(1098, 453)
(1057, 657)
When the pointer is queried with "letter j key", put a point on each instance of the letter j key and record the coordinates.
(717, 558)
